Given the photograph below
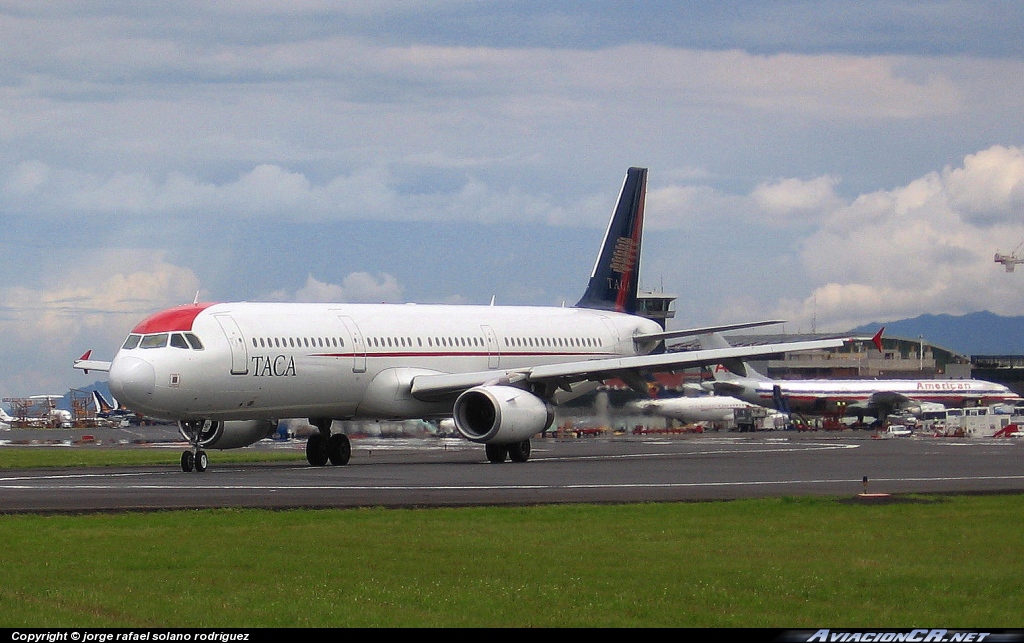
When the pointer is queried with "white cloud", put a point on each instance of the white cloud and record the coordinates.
(783, 203)
(925, 247)
(990, 185)
(92, 303)
(357, 287)
(27, 177)
(791, 198)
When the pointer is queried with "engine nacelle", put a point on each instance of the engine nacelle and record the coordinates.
(231, 434)
(501, 414)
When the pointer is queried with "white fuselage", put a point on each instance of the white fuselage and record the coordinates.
(714, 408)
(262, 360)
(852, 396)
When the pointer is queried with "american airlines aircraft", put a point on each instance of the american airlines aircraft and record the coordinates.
(877, 398)
(228, 372)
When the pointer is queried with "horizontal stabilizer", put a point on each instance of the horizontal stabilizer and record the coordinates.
(83, 363)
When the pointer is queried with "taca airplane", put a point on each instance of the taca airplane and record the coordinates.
(877, 398)
(228, 372)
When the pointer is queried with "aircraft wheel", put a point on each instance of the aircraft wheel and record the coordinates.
(520, 451)
(202, 461)
(339, 449)
(496, 453)
(188, 461)
(316, 450)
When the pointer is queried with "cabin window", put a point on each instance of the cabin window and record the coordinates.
(154, 341)
(131, 342)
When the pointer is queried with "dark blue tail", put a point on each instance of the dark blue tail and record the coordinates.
(613, 284)
(779, 400)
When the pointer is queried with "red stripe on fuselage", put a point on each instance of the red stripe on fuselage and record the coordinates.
(179, 318)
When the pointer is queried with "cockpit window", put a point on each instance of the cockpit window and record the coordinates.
(194, 341)
(177, 341)
(131, 342)
(154, 341)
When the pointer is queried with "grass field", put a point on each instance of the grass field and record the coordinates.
(17, 457)
(814, 562)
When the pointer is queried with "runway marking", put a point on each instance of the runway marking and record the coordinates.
(514, 487)
(767, 449)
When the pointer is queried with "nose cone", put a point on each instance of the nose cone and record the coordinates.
(132, 381)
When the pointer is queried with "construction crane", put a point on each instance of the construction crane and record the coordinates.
(1012, 259)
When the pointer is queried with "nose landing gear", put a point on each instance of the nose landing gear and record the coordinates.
(195, 458)
(197, 461)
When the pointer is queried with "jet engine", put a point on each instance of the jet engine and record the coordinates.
(501, 414)
(229, 434)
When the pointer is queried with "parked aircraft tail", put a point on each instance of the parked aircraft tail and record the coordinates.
(101, 403)
(732, 369)
(613, 284)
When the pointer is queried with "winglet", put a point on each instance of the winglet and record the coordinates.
(85, 364)
(613, 284)
(877, 339)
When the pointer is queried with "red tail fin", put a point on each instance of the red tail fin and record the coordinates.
(877, 339)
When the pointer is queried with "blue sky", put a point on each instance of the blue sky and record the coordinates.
(825, 162)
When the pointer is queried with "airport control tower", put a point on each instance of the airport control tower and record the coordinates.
(656, 306)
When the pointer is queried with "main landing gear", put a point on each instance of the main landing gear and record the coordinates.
(323, 447)
(517, 452)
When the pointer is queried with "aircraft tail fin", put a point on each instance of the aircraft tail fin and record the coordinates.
(729, 369)
(779, 400)
(613, 284)
(102, 405)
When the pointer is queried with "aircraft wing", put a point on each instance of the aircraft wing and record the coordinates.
(83, 363)
(428, 387)
(707, 330)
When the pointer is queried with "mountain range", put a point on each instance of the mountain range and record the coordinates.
(981, 333)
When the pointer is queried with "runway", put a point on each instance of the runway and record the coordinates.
(434, 473)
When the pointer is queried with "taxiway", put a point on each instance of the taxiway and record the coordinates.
(433, 472)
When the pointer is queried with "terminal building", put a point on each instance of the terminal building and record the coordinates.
(900, 358)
